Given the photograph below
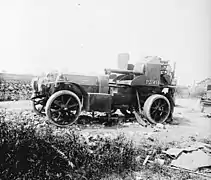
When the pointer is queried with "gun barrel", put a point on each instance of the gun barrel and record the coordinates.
(119, 71)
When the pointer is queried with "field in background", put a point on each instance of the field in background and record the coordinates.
(15, 77)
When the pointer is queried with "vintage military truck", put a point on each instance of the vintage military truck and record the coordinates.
(146, 89)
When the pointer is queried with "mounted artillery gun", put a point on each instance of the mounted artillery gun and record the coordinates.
(145, 89)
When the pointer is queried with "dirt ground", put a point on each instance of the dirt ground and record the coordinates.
(189, 123)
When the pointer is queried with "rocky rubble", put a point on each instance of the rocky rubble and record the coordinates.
(13, 90)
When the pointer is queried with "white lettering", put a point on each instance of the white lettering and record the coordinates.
(152, 82)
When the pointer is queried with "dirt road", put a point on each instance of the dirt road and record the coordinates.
(189, 123)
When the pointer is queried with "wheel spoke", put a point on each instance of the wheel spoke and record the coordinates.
(155, 115)
(57, 103)
(154, 111)
(57, 110)
(73, 105)
(159, 103)
(59, 115)
(62, 99)
(68, 101)
(156, 103)
(163, 105)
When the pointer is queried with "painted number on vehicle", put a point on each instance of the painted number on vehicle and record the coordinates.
(152, 82)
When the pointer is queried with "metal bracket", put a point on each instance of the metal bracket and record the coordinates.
(138, 115)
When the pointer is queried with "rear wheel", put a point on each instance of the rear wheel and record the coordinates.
(157, 108)
(63, 108)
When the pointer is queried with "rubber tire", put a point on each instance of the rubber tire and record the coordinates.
(147, 106)
(53, 97)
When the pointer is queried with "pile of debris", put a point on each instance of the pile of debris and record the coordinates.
(194, 159)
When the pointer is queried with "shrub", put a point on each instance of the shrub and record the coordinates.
(35, 152)
(31, 149)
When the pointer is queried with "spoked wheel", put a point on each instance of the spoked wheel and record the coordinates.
(157, 108)
(39, 105)
(63, 108)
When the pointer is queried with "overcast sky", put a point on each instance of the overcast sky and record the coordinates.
(87, 35)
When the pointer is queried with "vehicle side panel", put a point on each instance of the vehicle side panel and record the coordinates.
(99, 102)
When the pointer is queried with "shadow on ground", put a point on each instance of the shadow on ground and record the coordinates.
(179, 106)
(183, 121)
(102, 122)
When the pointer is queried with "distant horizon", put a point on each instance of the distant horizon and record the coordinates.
(93, 74)
(40, 36)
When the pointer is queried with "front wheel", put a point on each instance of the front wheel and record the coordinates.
(63, 108)
(157, 108)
